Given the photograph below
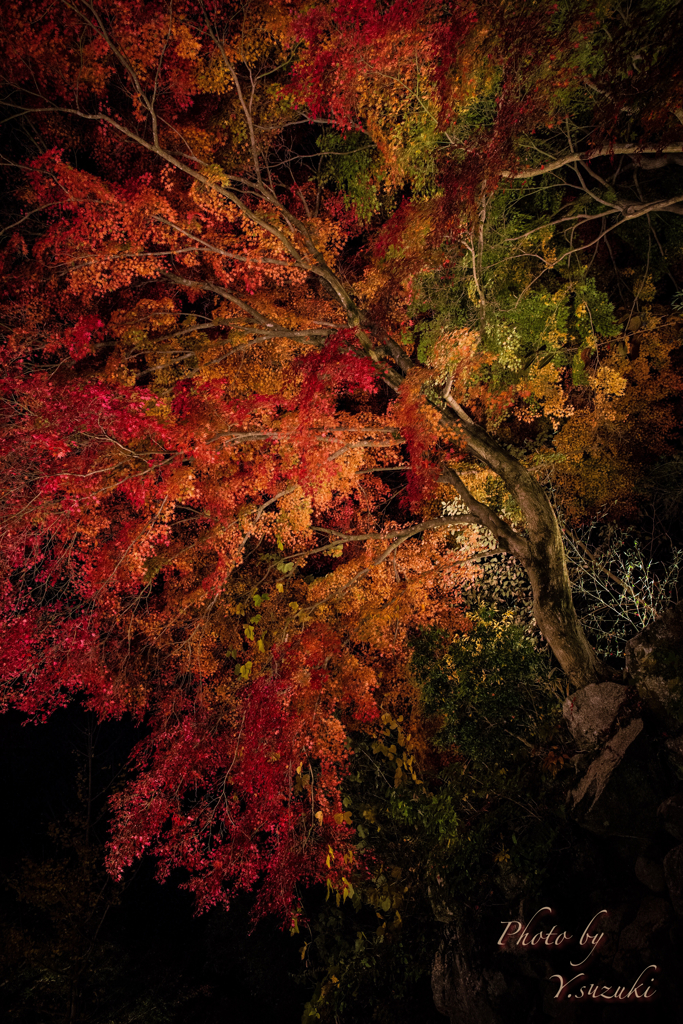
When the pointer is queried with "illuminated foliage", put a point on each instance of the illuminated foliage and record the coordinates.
(274, 278)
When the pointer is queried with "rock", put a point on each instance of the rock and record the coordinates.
(638, 939)
(673, 872)
(592, 710)
(600, 771)
(651, 648)
(441, 980)
(462, 990)
(610, 926)
(442, 903)
(651, 874)
(674, 747)
(653, 915)
(619, 795)
(670, 816)
(662, 697)
(654, 662)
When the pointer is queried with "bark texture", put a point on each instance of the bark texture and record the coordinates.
(541, 552)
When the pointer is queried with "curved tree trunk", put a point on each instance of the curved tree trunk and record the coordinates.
(541, 552)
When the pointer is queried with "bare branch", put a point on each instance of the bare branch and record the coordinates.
(572, 158)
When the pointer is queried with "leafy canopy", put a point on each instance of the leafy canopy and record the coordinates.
(247, 254)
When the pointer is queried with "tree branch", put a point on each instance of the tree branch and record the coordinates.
(571, 158)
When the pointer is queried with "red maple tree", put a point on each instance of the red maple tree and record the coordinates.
(223, 473)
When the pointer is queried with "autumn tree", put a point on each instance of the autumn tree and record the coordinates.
(241, 381)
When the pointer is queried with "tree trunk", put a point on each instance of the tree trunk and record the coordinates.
(541, 552)
(555, 613)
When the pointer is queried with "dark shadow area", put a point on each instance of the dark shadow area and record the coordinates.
(78, 947)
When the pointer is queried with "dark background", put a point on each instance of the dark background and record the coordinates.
(151, 960)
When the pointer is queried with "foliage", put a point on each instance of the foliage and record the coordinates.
(499, 715)
(224, 475)
(367, 954)
(60, 956)
(501, 582)
(475, 684)
(620, 585)
(352, 168)
(470, 820)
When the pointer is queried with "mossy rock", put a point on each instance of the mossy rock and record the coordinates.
(654, 663)
(662, 697)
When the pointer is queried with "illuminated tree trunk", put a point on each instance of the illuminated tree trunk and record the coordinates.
(541, 552)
